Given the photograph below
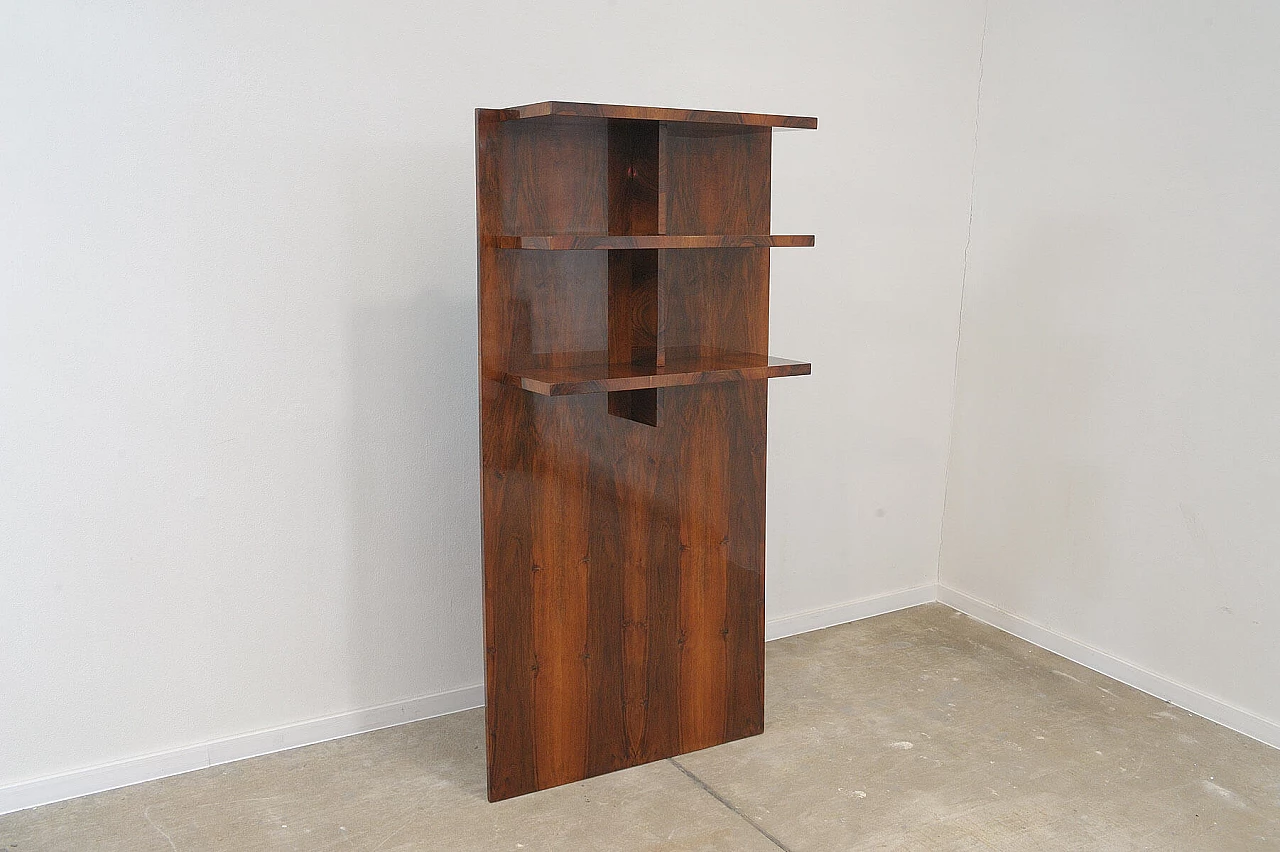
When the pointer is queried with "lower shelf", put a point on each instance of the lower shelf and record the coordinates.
(653, 241)
(684, 370)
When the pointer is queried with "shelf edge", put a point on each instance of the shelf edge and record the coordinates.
(776, 369)
(597, 242)
(641, 113)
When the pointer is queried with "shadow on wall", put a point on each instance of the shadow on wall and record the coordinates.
(413, 573)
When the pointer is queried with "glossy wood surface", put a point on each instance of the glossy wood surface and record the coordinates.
(701, 116)
(623, 404)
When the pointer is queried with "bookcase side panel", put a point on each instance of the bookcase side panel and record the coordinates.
(540, 176)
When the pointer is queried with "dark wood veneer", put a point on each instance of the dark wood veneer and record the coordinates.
(623, 403)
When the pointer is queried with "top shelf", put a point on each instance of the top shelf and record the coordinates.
(701, 116)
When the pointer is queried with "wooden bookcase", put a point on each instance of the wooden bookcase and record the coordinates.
(624, 328)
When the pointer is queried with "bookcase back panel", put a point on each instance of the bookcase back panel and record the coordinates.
(553, 176)
(717, 299)
(714, 179)
(558, 305)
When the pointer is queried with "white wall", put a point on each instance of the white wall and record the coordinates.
(237, 371)
(1115, 471)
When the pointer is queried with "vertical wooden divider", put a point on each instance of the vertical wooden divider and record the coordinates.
(637, 313)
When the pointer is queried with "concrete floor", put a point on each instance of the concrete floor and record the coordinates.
(920, 730)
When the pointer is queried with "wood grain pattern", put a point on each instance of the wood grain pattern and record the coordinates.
(701, 166)
(561, 589)
(633, 177)
(507, 522)
(637, 321)
(579, 242)
(623, 433)
(636, 304)
(704, 598)
(700, 116)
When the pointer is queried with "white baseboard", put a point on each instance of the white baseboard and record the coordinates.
(82, 782)
(96, 779)
(842, 613)
(1213, 709)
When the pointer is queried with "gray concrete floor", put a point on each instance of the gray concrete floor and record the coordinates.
(920, 730)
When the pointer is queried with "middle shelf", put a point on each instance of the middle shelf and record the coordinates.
(692, 369)
(567, 242)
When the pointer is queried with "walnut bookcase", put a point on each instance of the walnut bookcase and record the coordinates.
(624, 324)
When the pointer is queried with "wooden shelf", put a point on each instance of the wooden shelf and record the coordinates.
(686, 370)
(566, 242)
(700, 116)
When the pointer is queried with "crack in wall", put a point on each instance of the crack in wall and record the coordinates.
(964, 280)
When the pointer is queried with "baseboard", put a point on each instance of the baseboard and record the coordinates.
(842, 613)
(96, 779)
(1213, 709)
